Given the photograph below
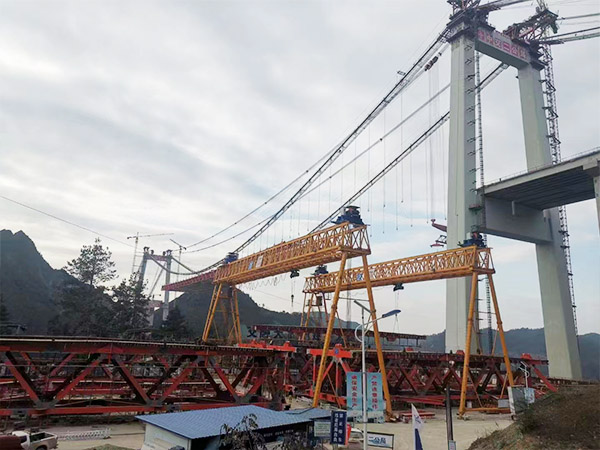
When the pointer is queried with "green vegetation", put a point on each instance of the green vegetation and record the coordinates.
(93, 265)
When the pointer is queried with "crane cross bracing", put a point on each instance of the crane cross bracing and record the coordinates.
(458, 262)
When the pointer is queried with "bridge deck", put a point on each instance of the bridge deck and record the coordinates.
(568, 182)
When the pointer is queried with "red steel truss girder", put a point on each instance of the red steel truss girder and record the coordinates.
(191, 284)
(88, 376)
(299, 331)
(115, 346)
(421, 375)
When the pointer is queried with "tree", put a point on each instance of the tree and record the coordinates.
(131, 306)
(243, 436)
(83, 311)
(175, 326)
(93, 265)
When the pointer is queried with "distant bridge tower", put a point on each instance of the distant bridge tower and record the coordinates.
(470, 32)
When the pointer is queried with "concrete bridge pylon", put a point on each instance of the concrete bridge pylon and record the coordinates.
(465, 205)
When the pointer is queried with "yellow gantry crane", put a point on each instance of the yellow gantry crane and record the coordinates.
(460, 262)
(334, 243)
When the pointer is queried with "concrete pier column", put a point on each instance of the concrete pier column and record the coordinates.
(559, 326)
(462, 196)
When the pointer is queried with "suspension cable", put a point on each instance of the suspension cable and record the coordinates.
(415, 71)
(486, 81)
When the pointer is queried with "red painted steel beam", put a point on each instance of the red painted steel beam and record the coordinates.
(224, 379)
(21, 377)
(185, 373)
(62, 391)
(131, 380)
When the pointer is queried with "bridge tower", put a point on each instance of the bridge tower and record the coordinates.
(469, 31)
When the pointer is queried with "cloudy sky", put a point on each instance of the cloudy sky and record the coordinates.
(181, 117)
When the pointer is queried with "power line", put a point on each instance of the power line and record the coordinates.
(64, 220)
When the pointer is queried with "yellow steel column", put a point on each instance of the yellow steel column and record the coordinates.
(465, 376)
(501, 332)
(306, 311)
(386, 389)
(336, 296)
(236, 318)
(211, 311)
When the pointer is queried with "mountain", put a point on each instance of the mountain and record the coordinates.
(527, 340)
(27, 282)
(194, 306)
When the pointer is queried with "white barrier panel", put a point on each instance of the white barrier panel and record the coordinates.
(88, 435)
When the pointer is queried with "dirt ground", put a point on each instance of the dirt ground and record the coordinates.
(433, 436)
(129, 435)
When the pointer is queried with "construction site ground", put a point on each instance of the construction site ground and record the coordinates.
(131, 435)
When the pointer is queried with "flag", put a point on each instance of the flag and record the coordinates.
(417, 424)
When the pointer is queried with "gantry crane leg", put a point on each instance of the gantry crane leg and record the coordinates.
(509, 373)
(306, 311)
(332, 316)
(330, 323)
(236, 317)
(465, 375)
(211, 311)
(386, 389)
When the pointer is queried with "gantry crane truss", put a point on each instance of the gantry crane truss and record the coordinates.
(469, 261)
(325, 246)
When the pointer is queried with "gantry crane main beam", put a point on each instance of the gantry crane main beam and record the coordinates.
(321, 247)
(468, 261)
(454, 263)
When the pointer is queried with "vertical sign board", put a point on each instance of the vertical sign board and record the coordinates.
(339, 421)
(375, 400)
(322, 428)
(354, 392)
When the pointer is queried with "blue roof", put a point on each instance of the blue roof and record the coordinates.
(208, 422)
(310, 413)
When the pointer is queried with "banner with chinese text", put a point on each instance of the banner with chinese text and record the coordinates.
(375, 400)
(354, 391)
